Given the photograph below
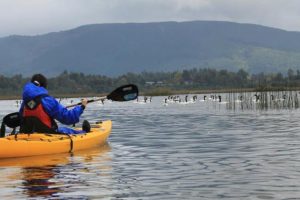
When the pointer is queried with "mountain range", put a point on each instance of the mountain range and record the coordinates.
(115, 49)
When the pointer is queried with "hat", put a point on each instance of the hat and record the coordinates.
(39, 80)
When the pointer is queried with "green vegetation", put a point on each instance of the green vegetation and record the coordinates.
(115, 49)
(159, 83)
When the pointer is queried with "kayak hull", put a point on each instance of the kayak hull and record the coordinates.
(34, 144)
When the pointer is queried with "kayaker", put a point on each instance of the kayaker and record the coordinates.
(39, 110)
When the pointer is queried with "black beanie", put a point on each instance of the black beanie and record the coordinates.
(39, 80)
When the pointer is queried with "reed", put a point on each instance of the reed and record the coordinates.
(263, 100)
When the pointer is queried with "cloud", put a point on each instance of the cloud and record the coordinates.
(32, 17)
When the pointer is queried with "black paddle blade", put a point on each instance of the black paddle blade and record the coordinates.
(124, 93)
(12, 120)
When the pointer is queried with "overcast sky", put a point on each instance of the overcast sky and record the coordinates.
(32, 17)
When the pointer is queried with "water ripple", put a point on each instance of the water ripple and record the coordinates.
(193, 151)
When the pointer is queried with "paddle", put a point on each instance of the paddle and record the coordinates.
(123, 93)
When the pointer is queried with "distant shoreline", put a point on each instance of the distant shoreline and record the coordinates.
(163, 92)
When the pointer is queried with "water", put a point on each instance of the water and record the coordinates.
(201, 150)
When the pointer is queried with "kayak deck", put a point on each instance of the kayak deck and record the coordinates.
(22, 145)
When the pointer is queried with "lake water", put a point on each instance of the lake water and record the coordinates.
(201, 150)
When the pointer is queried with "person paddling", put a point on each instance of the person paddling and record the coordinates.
(39, 110)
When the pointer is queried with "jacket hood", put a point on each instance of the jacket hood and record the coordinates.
(30, 91)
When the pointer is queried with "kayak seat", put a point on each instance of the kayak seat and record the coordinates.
(12, 120)
(33, 124)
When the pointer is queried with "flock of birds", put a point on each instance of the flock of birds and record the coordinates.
(194, 98)
(228, 98)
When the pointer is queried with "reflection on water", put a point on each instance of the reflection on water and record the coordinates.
(37, 181)
(159, 150)
(55, 176)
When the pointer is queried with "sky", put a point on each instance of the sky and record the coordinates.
(33, 17)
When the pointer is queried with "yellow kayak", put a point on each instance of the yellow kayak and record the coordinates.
(34, 144)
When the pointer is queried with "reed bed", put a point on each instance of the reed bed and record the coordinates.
(263, 100)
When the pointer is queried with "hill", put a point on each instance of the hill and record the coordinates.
(114, 49)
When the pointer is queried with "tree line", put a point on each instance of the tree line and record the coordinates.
(71, 83)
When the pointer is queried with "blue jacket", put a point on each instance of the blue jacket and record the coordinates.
(54, 109)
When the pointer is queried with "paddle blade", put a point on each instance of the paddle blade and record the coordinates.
(124, 93)
(12, 120)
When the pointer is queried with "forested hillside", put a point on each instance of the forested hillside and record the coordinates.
(115, 49)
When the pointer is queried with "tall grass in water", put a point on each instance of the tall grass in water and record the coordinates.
(263, 100)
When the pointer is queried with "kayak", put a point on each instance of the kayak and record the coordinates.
(34, 144)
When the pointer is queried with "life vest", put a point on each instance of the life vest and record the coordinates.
(35, 118)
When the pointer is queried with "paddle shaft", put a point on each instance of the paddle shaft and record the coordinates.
(89, 101)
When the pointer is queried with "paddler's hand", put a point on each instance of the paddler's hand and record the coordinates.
(84, 102)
